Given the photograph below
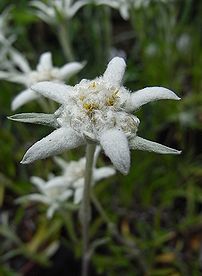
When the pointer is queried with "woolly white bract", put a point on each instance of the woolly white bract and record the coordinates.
(58, 189)
(44, 71)
(97, 110)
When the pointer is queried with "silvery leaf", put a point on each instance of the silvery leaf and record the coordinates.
(36, 118)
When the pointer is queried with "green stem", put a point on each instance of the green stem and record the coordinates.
(64, 39)
(85, 211)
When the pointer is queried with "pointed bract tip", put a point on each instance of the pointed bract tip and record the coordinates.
(13, 117)
(175, 152)
(25, 160)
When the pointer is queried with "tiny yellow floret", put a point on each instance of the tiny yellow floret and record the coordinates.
(93, 85)
(90, 106)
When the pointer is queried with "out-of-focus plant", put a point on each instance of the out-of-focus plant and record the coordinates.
(59, 14)
(26, 76)
(58, 189)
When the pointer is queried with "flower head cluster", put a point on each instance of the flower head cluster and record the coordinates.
(58, 189)
(99, 110)
(55, 9)
(21, 72)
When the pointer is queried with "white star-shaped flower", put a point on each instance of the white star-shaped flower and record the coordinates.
(98, 110)
(58, 189)
(53, 193)
(74, 172)
(65, 8)
(44, 71)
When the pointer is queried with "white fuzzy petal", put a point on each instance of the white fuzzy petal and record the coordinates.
(45, 17)
(18, 78)
(4, 75)
(20, 61)
(113, 3)
(78, 195)
(149, 94)
(45, 62)
(76, 6)
(143, 144)
(54, 91)
(38, 182)
(102, 173)
(58, 141)
(61, 162)
(79, 183)
(115, 71)
(51, 210)
(65, 195)
(124, 11)
(23, 98)
(33, 197)
(70, 69)
(115, 145)
(57, 181)
(39, 5)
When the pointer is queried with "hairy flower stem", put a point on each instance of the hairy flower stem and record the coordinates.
(85, 211)
(63, 36)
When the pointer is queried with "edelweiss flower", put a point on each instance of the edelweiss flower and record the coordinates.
(44, 71)
(99, 110)
(56, 191)
(74, 172)
(65, 8)
(52, 193)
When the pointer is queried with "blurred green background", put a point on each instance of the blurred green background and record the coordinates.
(157, 207)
